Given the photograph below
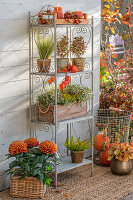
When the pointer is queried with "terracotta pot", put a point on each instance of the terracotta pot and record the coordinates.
(43, 65)
(121, 168)
(79, 62)
(62, 63)
(77, 156)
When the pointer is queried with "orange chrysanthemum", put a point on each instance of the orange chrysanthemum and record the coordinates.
(47, 147)
(17, 147)
(31, 142)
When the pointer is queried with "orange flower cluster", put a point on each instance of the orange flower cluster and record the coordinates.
(17, 147)
(31, 142)
(48, 147)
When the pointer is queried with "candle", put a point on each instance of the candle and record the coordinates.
(78, 14)
(85, 15)
(58, 11)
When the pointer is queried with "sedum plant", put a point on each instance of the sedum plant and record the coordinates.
(45, 47)
(78, 46)
(62, 47)
(78, 145)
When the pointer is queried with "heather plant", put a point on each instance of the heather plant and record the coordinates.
(78, 46)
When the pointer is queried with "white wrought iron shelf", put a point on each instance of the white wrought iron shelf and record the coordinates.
(68, 165)
(61, 74)
(67, 121)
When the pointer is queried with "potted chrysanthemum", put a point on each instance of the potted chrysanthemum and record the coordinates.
(29, 172)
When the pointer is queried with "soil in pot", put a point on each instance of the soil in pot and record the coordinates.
(62, 63)
(43, 65)
(77, 156)
(121, 168)
(79, 62)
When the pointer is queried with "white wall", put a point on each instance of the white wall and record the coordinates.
(14, 88)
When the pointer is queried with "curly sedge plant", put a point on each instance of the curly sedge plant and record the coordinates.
(78, 145)
(33, 161)
(45, 47)
(72, 94)
(78, 46)
(62, 47)
(122, 152)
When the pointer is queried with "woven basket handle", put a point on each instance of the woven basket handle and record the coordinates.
(115, 109)
(43, 112)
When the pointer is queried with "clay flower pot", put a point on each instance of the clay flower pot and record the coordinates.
(77, 156)
(43, 65)
(121, 168)
(62, 63)
(79, 62)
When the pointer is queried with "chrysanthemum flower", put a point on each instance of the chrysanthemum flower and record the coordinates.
(47, 147)
(31, 142)
(17, 147)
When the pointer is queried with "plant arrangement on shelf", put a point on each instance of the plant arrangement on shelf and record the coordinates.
(62, 52)
(45, 46)
(31, 167)
(78, 48)
(77, 148)
(70, 95)
(120, 157)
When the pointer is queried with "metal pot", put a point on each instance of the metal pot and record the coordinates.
(62, 63)
(77, 156)
(79, 62)
(121, 168)
(43, 65)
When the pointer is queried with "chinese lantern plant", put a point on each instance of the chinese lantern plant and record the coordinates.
(32, 165)
(74, 95)
(62, 52)
(78, 48)
(77, 148)
(45, 46)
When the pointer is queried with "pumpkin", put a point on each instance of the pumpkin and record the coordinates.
(99, 141)
(103, 158)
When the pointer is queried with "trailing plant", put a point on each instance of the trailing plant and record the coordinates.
(78, 145)
(78, 46)
(45, 47)
(122, 152)
(62, 47)
(33, 162)
(72, 94)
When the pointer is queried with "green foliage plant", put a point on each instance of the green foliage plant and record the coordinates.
(78, 145)
(72, 94)
(45, 46)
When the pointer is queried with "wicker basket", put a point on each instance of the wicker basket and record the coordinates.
(29, 187)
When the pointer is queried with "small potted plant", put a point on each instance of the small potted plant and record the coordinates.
(45, 46)
(71, 102)
(78, 48)
(62, 52)
(29, 172)
(120, 157)
(77, 148)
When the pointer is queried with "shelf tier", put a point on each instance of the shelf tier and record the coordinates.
(67, 121)
(61, 25)
(68, 165)
(61, 74)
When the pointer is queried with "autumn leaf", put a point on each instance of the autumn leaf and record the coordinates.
(110, 46)
(112, 29)
(127, 23)
(107, 6)
(107, 28)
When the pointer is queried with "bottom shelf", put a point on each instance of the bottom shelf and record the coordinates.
(68, 165)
